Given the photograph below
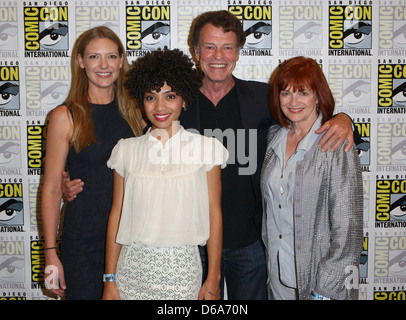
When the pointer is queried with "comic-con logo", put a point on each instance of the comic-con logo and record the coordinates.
(46, 31)
(10, 149)
(391, 146)
(12, 264)
(87, 17)
(9, 91)
(390, 295)
(391, 87)
(34, 204)
(147, 28)
(46, 85)
(364, 145)
(390, 203)
(390, 259)
(8, 29)
(300, 27)
(350, 30)
(350, 84)
(186, 12)
(392, 29)
(257, 25)
(255, 70)
(11, 207)
(38, 261)
(36, 136)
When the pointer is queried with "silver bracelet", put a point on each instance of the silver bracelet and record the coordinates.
(215, 295)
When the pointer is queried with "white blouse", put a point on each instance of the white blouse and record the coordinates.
(165, 188)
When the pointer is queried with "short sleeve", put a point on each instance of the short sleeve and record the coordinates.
(116, 158)
(215, 154)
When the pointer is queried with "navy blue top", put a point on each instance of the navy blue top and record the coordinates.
(87, 215)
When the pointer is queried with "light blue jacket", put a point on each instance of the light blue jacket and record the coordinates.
(328, 226)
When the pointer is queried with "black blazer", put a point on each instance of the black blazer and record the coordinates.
(255, 114)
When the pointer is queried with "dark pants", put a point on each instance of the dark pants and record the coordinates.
(244, 270)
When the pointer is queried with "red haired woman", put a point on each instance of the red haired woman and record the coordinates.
(312, 222)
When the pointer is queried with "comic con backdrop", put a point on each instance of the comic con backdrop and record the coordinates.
(359, 44)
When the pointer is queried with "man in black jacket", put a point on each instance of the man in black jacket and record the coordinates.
(236, 112)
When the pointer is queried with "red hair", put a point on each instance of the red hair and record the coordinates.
(298, 74)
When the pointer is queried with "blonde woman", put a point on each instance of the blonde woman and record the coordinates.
(81, 134)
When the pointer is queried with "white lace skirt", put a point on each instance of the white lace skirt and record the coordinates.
(153, 273)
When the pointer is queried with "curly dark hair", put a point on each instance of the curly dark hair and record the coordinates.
(171, 66)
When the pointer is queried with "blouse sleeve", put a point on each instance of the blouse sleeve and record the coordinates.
(346, 232)
(116, 158)
(218, 154)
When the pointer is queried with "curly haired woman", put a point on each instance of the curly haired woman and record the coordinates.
(166, 194)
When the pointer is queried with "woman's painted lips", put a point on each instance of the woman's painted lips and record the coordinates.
(162, 117)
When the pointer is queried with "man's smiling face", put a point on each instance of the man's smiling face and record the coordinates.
(217, 53)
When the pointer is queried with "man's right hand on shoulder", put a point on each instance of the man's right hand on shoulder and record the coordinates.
(70, 188)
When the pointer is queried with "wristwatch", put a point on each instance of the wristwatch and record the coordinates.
(109, 277)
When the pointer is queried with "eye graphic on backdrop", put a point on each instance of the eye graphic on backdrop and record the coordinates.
(399, 37)
(308, 35)
(363, 147)
(357, 94)
(398, 209)
(54, 94)
(51, 36)
(9, 209)
(8, 91)
(12, 269)
(8, 152)
(399, 151)
(256, 34)
(358, 36)
(399, 95)
(8, 32)
(155, 34)
(397, 264)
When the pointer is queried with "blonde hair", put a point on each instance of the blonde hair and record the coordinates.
(78, 99)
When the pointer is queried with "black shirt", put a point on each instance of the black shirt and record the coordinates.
(238, 197)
